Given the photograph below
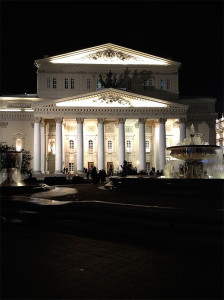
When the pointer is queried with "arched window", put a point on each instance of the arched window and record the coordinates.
(19, 145)
(71, 144)
(147, 146)
(110, 146)
(90, 146)
(128, 146)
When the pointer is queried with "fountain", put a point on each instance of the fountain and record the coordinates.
(196, 159)
(10, 164)
(11, 182)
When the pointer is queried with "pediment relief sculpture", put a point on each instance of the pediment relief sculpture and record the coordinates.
(111, 55)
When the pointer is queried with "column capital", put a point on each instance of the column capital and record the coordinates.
(141, 120)
(162, 120)
(121, 120)
(37, 119)
(80, 120)
(100, 120)
(58, 120)
(182, 120)
(42, 123)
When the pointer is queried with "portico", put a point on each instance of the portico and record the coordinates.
(124, 126)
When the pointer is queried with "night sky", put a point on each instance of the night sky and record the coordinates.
(190, 32)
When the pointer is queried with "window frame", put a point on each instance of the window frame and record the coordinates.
(54, 83)
(110, 146)
(128, 146)
(71, 145)
(90, 146)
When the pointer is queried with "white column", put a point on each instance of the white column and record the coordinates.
(142, 153)
(80, 147)
(121, 142)
(162, 143)
(182, 127)
(36, 146)
(63, 145)
(156, 146)
(42, 138)
(100, 144)
(58, 146)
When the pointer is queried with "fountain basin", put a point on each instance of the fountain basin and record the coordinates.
(193, 152)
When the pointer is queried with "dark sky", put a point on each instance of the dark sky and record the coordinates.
(190, 32)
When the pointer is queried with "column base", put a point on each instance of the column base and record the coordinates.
(58, 172)
(37, 172)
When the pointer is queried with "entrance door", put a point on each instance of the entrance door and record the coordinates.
(110, 168)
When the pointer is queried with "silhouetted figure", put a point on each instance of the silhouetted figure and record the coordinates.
(94, 175)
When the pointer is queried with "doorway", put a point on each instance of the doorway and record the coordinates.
(110, 168)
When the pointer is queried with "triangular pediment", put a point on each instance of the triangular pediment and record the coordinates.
(109, 98)
(107, 54)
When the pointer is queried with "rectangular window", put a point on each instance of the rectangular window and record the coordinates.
(147, 146)
(54, 83)
(72, 83)
(48, 83)
(66, 83)
(71, 167)
(88, 83)
(128, 146)
(150, 83)
(90, 146)
(110, 147)
(168, 84)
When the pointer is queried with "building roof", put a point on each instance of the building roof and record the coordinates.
(107, 54)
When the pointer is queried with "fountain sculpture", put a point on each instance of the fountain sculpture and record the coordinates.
(198, 158)
(10, 165)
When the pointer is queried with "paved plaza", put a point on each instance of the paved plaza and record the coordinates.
(93, 256)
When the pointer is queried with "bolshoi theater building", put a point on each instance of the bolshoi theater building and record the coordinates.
(100, 106)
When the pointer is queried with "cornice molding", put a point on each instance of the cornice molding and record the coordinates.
(148, 113)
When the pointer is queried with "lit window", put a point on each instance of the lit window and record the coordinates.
(66, 83)
(90, 146)
(147, 146)
(19, 145)
(128, 146)
(71, 167)
(168, 84)
(48, 83)
(71, 144)
(54, 83)
(72, 83)
(88, 83)
(110, 146)
(162, 84)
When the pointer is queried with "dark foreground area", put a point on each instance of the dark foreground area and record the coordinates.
(120, 243)
(51, 263)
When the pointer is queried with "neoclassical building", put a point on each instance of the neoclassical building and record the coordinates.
(100, 106)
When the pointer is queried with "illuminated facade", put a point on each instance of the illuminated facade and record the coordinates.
(220, 132)
(101, 106)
